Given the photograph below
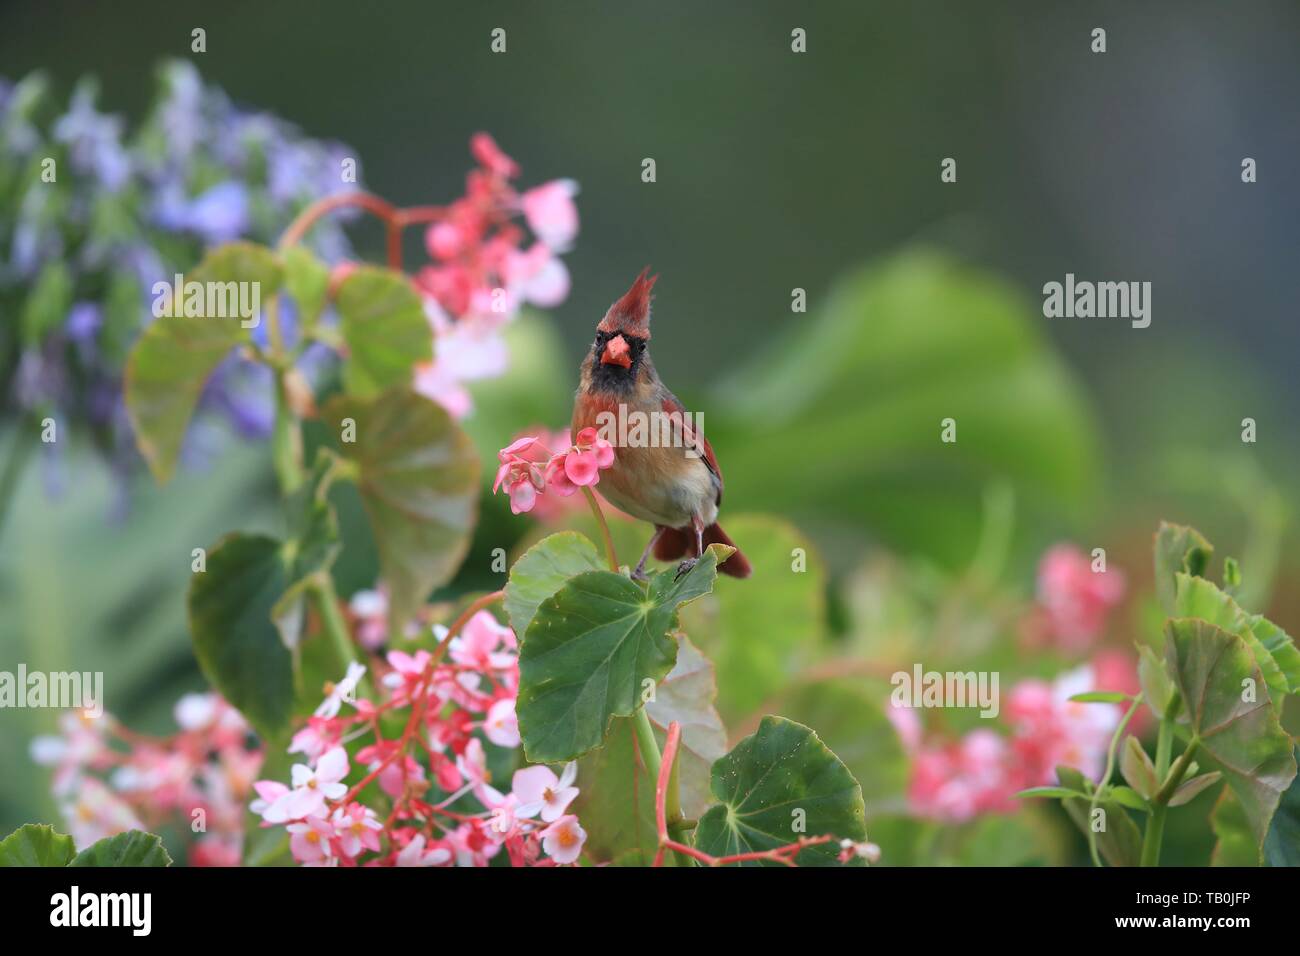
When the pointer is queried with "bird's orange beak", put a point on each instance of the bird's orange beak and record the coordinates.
(617, 352)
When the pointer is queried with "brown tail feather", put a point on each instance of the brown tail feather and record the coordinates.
(677, 543)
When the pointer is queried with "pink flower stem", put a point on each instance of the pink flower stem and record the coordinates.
(395, 219)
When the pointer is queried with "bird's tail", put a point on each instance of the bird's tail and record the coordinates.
(675, 543)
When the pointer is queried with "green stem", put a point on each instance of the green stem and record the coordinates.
(1155, 830)
(1105, 778)
(327, 605)
(604, 528)
(286, 440)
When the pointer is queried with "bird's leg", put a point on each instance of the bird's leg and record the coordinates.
(689, 563)
(638, 574)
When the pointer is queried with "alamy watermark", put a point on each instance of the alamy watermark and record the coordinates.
(922, 688)
(208, 300)
(1098, 300)
(633, 428)
(62, 690)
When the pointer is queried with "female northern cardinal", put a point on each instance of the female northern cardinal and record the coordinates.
(675, 485)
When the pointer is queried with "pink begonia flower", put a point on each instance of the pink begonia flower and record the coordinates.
(268, 791)
(502, 821)
(476, 646)
(557, 479)
(1076, 599)
(314, 739)
(472, 765)
(521, 476)
(907, 723)
(551, 213)
(214, 849)
(369, 609)
(97, 812)
(408, 669)
(309, 840)
(415, 854)
(438, 381)
(590, 454)
(1051, 730)
(196, 711)
(344, 690)
(537, 276)
(357, 829)
(959, 781)
(540, 791)
(485, 149)
(311, 788)
(501, 726)
(563, 839)
(473, 844)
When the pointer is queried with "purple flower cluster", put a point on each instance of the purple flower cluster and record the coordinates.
(92, 215)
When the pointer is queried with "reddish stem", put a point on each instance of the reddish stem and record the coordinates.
(395, 219)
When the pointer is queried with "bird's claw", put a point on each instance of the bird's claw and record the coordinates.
(684, 567)
(639, 574)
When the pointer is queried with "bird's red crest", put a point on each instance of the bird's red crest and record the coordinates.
(631, 313)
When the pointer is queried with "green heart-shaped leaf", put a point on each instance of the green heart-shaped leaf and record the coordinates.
(235, 640)
(1197, 597)
(383, 323)
(36, 844)
(775, 786)
(589, 650)
(542, 570)
(132, 848)
(1235, 844)
(418, 477)
(1230, 716)
(175, 355)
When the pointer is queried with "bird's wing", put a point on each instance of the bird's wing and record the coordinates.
(671, 405)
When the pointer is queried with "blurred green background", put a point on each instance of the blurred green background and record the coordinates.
(774, 171)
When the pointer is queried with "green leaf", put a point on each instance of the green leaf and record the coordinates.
(775, 786)
(589, 650)
(132, 848)
(1199, 598)
(1189, 790)
(1157, 687)
(1118, 839)
(1101, 697)
(1138, 769)
(173, 359)
(1128, 797)
(307, 279)
(311, 550)
(761, 630)
(851, 719)
(542, 570)
(383, 323)
(1280, 647)
(1236, 844)
(1178, 548)
(1053, 792)
(36, 844)
(616, 799)
(235, 640)
(418, 478)
(898, 348)
(1212, 669)
(1282, 845)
